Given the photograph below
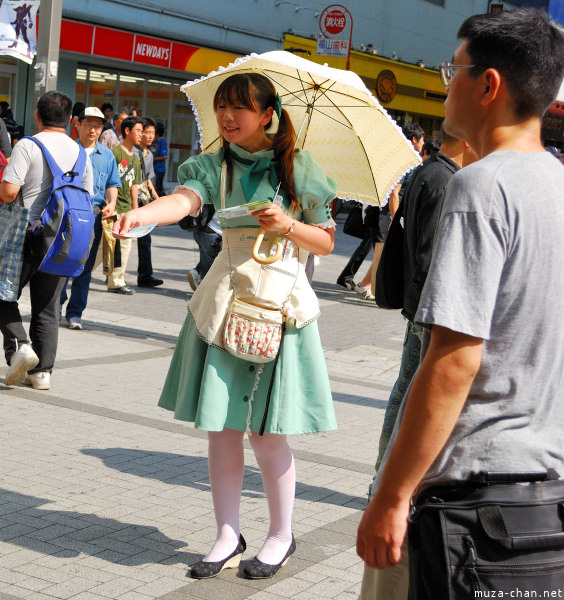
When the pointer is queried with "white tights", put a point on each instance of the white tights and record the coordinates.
(226, 465)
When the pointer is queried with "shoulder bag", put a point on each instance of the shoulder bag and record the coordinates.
(252, 332)
(499, 535)
(354, 224)
(14, 220)
(390, 285)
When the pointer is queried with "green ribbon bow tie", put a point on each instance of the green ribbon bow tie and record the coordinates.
(253, 176)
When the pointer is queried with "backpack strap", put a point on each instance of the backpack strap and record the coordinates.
(56, 171)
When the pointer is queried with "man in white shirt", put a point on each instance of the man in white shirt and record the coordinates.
(28, 176)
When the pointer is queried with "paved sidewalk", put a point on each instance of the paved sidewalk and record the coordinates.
(104, 496)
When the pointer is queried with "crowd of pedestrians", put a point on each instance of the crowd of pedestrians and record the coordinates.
(479, 387)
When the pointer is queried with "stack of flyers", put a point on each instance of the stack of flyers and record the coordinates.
(243, 210)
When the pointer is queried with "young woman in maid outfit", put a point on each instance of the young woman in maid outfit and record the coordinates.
(224, 394)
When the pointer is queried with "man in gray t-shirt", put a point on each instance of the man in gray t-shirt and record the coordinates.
(488, 395)
(28, 177)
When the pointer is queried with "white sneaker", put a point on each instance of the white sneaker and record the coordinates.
(39, 381)
(20, 363)
(74, 323)
(365, 292)
(194, 278)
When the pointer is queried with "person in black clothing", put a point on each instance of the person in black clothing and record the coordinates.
(421, 203)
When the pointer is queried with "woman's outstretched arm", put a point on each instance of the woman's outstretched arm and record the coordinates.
(164, 210)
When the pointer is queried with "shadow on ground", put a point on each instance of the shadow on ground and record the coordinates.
(192, 471)
(28, 522)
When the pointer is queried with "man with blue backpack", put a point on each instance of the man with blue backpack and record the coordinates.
(51, 176)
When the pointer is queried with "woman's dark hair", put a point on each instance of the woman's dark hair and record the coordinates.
(78, 108)
(107, 105)
(256, 92)
(526, 49)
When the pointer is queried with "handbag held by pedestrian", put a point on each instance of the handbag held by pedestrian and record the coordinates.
(14, 220)
(252, 332)
(499, 535)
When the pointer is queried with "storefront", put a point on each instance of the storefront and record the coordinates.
(109, 65)
(407, 92)
(101, 64)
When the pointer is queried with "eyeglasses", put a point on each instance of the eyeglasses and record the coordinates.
(447, 71)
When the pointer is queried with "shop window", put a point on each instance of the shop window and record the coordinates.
(158, 100)
(183, 132)
(101, 87)
(80, 90)
(131, 92)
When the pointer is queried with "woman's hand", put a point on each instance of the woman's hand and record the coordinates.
(273, 219)
(130, 220)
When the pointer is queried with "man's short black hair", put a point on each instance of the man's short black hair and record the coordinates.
(148, 122)
(160, 129)
(130, 123)
(78, 108)
(526, 49)
(54, 109)
(106, 105)
(413, 130)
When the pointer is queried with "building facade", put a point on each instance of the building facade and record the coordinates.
(139, 52)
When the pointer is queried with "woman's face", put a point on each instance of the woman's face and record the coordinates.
(242, 126)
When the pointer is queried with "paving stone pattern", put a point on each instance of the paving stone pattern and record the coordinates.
(104, 496)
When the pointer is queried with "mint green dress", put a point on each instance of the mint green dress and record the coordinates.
(213, 389)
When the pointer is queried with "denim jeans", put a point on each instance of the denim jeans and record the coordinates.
(410, 358)
(81, 284)
(44, 291)
(209, 243)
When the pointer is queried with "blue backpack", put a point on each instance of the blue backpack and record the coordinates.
(68, 218)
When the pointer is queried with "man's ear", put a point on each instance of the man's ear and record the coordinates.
(492, 81)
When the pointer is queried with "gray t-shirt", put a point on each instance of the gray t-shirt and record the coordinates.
(29, 169)
(498, 274)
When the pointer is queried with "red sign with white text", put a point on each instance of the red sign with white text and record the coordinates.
(152, 51)
(335, 22)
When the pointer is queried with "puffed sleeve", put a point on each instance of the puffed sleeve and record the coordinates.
(200, 174)
(315, 190)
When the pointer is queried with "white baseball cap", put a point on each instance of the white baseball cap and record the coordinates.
(91, 111)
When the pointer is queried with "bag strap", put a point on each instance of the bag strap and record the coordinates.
(222, 189)
(130, 167)
(56, 171)
(142, 164)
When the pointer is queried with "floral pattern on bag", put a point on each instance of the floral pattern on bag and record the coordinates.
(251, 340)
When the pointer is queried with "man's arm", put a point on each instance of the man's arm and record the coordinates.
(436, 398)
(394, 200)
(134, 191)
(111, 201)
(9, 191)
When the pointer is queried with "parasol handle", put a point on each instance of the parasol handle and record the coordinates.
(266, 260)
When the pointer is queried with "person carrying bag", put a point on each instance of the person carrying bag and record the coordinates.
(215, 386)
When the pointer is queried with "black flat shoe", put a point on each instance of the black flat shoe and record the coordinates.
(256, 569)
(149, 282)
(124, 289)
(205, 570)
